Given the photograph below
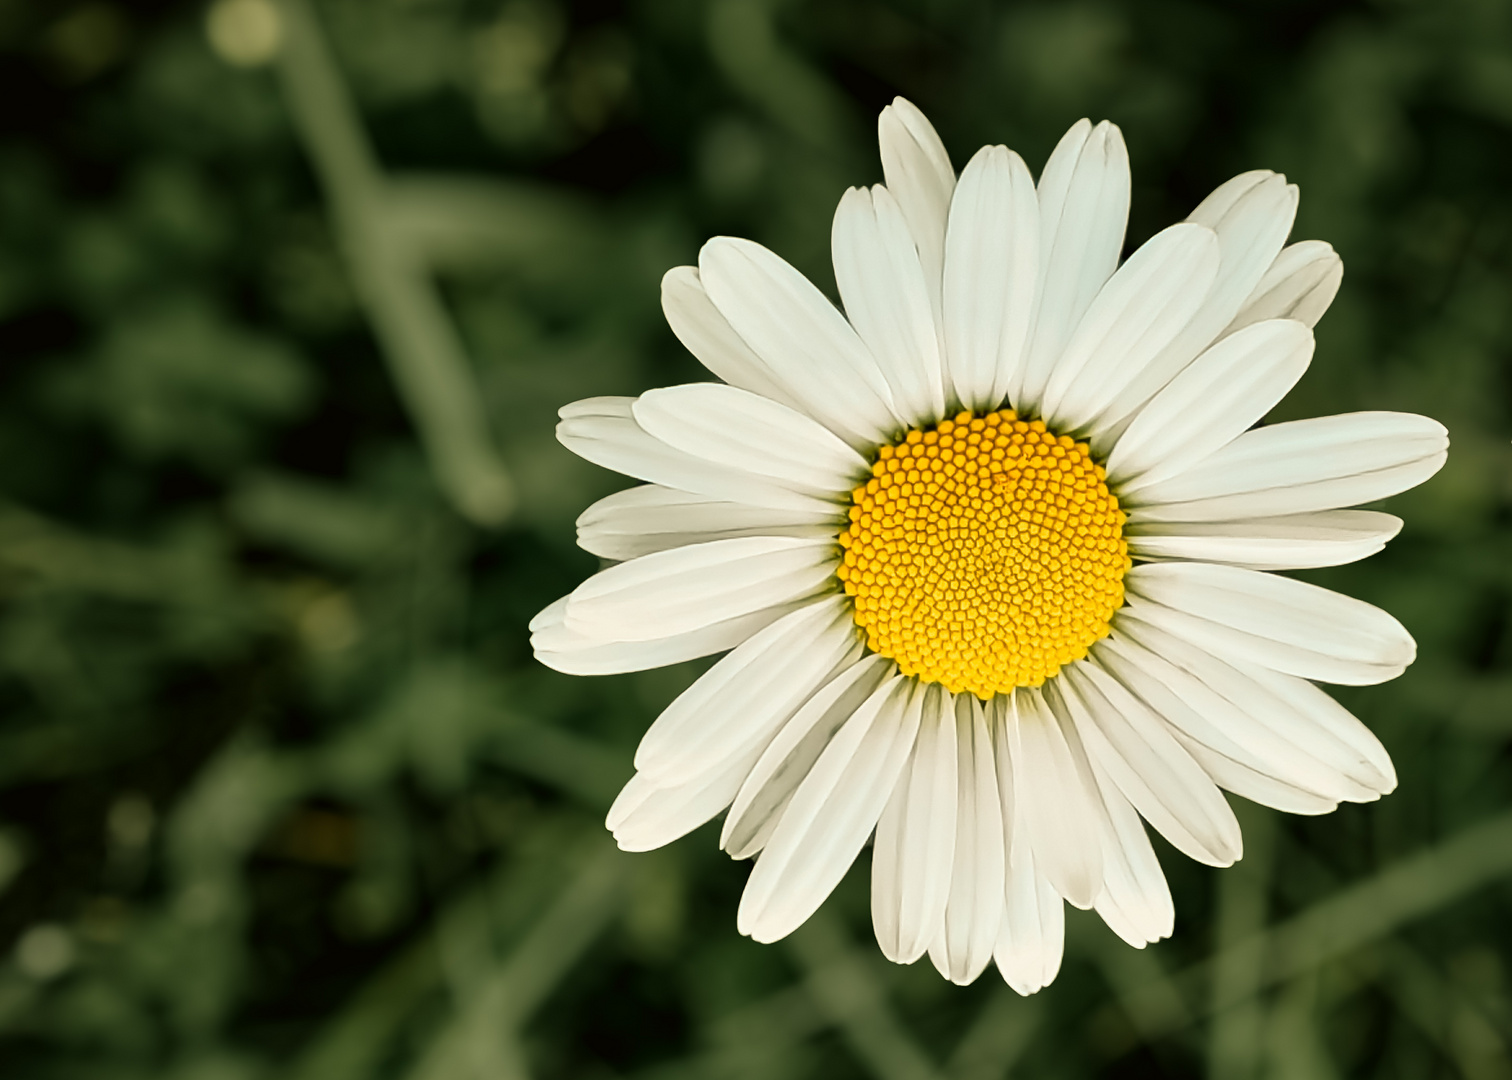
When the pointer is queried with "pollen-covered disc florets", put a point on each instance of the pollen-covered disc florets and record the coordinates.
(984, 554)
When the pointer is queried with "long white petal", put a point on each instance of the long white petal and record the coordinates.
(1300, 285)
(807, 346)
(789, 757)
(1276, 622)
(605, 432)
(1251, 215)
(1300, 466)
(831, 814)
(1289, 542)
(1318, 746)
(740, 702)
(1219, 396)
(1054, 800)
(915, 844)
(708, 335)
(649, 517)
(674, 592)
(1141, 309)
(963, 946)
(1151, 769)
(1084, 210)
(1136, 901)
(918, 173)
(991, 277)
(573, 653)
(728, 426)
(648, 815)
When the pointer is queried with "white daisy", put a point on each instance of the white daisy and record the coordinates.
(991, 553)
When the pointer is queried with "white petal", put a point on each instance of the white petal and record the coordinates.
(647, 518)
(1302, 465)
(991, 277)
(1055, 801)
(808, 347)
(1251, 215)
(915, 842)
(1289, 542)
(736, 428)
(708, 335)
(918, 173)
(740, 702)
(674, 592)
(647, 816)
(789, 757)
(830, 816)
(963, 946)
(605, 432)
(1141, 309)
(1319, 747)
(1299, 285)
(1257, 787)
(573, 653)
(886, 299)
(1219, 396)
(1276, 622)
(1151, 769)
(1084, 209)
(1136, 901)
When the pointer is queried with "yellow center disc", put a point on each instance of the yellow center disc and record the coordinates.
(985, 554)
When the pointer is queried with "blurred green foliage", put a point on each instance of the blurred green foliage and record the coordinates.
(288, 298)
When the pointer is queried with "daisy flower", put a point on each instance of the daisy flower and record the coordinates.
(991, 554)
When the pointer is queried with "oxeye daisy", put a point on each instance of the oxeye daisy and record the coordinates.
(992, 553)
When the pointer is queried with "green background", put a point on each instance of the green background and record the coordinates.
(282, 792)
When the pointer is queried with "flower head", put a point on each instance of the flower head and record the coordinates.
(991, 553)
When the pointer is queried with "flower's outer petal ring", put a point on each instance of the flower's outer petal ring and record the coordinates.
(647, 816)
(1288, 542)
(1274, 622)
(1136, 901)
(1300, 285)
(886, 299)
(649, 517)
(807, 346)
(917, 171)
(1300, 466)
(831, 814)
(678, 591)
(1219, 396)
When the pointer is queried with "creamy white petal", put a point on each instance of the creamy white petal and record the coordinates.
(915, 842)
(1300, 284)
(1055, 800)
(674, 592)
(605, 432)
(1136, 901)
(808, 347)
(1300, 466)
(1031, 936)
(1144, 305)
(728, 426)
(918, 173)
(1289, 542)
(886, 299)
(573, 653)
(1256, 786)
(740, 702)
(647, 518)
(1084, 210)
(1319, 748)
(963, 946)
(792, 753)
(648, 815)
(1151, 769)
(991, 277)
(1276, 622)
(831, 814)
(1251, 215)
(708, 335)
(1218, 397)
